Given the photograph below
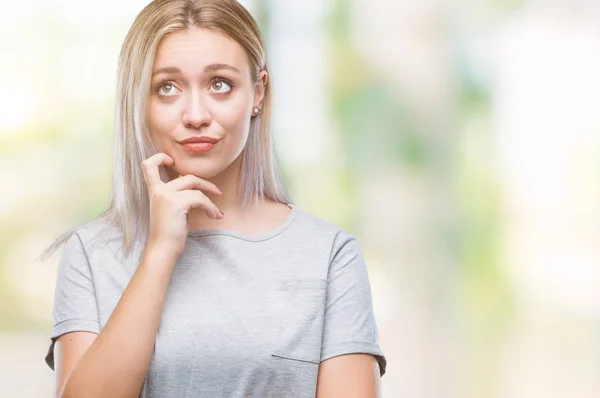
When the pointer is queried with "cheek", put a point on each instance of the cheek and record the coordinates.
(161, 120)
(233, 115)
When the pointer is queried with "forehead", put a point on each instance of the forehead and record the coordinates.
(194, 48)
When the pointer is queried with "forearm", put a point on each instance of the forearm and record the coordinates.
(116, 363)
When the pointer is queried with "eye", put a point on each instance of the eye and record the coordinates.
(167, 85)
(221, 86)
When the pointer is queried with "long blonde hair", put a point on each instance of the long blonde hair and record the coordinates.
(128, 209)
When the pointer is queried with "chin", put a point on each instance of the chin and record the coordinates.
(203, 168)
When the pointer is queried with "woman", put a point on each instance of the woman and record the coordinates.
(201, 279)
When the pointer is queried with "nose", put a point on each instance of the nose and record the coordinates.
(196, 113)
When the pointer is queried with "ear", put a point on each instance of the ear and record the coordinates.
(261, 84)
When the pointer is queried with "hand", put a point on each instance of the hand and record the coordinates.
(170, 203)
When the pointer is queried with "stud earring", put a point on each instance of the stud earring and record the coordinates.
(255, 111)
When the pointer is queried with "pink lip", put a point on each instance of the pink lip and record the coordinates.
(199, 139)
(198, 146)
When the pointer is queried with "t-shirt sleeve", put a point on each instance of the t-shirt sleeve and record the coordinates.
(349, 323)
(75, 307)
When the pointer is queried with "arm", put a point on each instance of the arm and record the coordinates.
(68, 349)
(114, 363)
(350, 376)
(352, 363)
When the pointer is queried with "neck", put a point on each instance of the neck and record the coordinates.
(230, 202)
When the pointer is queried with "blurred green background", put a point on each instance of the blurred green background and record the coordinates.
(459, 141)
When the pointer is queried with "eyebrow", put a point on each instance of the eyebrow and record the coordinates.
(209, 68)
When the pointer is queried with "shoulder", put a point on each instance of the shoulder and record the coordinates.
(94, 236)
(96, 233)
(321, 229)
(100, 245)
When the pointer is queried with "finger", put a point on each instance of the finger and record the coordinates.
(191, 181)
(150, 168)
(196, 199)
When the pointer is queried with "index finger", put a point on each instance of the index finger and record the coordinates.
(150, 168)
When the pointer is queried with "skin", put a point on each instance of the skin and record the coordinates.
(349, 376)
(194, 102)
(216, 103)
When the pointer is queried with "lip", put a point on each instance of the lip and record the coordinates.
(197, 140)
(198, 144)
(196, 147)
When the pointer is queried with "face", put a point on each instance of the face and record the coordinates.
(202, 86)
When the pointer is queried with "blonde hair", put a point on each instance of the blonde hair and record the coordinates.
(128, 209)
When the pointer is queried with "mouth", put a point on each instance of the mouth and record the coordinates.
(196, 147)
(198, 144)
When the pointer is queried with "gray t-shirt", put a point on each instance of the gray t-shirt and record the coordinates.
(244, 316)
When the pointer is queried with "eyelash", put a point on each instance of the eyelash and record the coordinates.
(218, 79)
